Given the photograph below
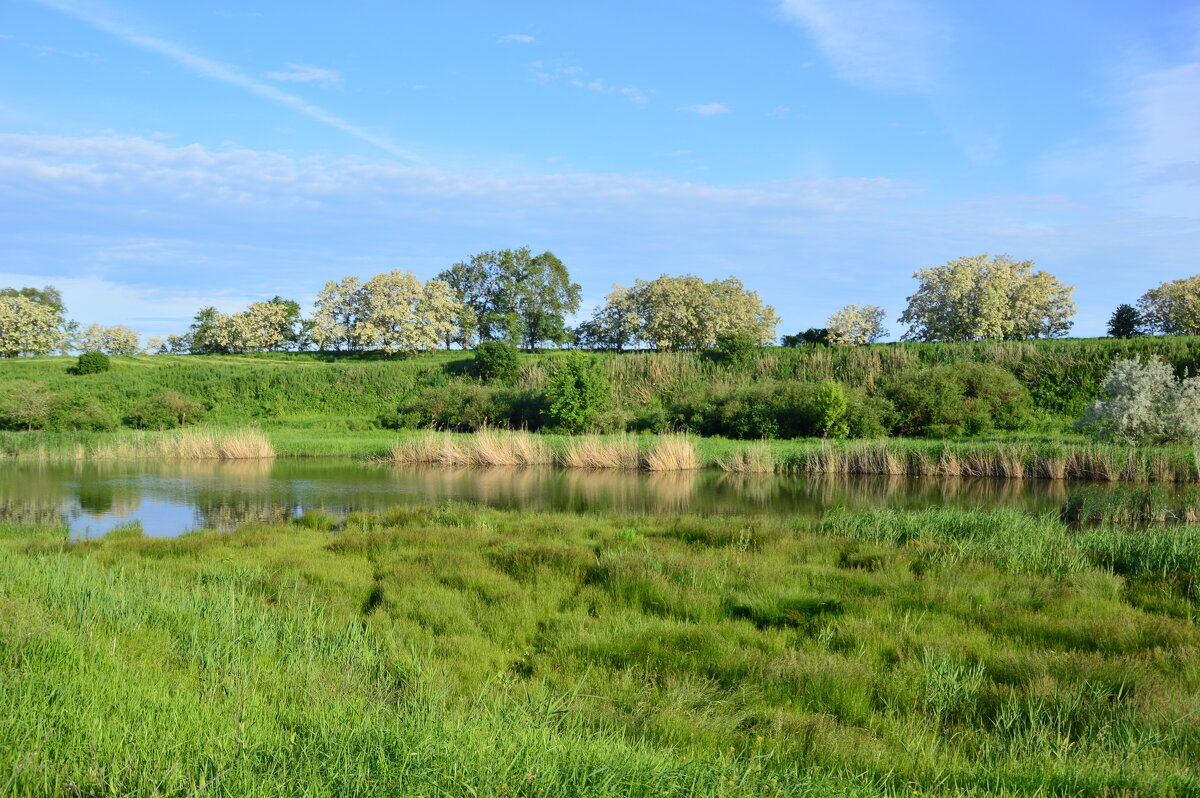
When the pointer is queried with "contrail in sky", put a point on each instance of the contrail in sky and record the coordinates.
(218, 71)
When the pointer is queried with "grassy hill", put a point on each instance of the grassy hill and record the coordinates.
(766, 397)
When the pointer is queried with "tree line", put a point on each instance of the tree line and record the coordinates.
(526, 299)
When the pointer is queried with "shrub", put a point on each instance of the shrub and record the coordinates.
(167, 410)
(1143, 402)
(93, 363)
(577, 391)
(737, 347)
(496, 360)
(813, 336)
(831, 407)
(957, 399)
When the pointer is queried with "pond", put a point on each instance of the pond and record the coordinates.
(171, 498)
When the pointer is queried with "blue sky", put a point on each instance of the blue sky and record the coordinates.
(158, 157)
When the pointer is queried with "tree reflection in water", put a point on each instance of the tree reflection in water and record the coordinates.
(173, 497)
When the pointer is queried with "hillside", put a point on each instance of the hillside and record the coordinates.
(765, 397)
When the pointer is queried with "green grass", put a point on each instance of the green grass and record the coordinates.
(453, 650)
(351, 391)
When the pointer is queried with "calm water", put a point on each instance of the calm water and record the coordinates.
(171, 498)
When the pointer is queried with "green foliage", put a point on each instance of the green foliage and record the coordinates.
(167, 410)
(496, 360)
(92, 363)
(813, 336)
(577, 392)
(831, 410)
(1125, 322)
(737, 347)
(957, 400)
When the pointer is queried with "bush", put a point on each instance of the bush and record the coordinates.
(496, 360)
(577, 392)
(957, 399)
(93, 363)
(168, 410)
(1143, 402)
(832, 407)
(737, 347)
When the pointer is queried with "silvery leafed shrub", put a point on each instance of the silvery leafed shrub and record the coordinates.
(1143, 402)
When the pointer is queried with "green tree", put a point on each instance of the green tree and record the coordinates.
(577, 392)
(1173, 308)
(832, 408)
(1125, 322)
(516, 295)
(974, 298)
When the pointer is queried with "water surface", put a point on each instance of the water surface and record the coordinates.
(175, 497)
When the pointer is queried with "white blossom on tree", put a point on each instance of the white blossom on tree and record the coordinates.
(856, 324)
(974, 298)
(27, 327)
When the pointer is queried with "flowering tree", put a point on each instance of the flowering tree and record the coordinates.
(974, 298)
(27, 327)
(856, 324)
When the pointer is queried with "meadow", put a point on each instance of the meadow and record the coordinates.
(454, 650)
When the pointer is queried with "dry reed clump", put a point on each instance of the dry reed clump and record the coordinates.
(430, 448)
(590, 451)
(754, 459)
(672, 453)
(490, 447)
(244, 444)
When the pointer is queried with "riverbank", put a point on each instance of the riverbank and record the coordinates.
(1017, 458)
(457, 650)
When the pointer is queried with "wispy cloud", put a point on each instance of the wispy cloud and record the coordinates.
(577, 76)
(217, 70)
(192, 219)
(890, 45)
(303, 73)
(708, 109)
(519, 38)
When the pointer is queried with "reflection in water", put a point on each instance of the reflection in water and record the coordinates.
(173, 497)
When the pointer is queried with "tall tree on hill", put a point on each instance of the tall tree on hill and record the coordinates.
(974, 298)
(1173, 308)
(516, 295)
(1125, 322)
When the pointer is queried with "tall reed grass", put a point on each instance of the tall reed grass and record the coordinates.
(886, 457)
(188, 444)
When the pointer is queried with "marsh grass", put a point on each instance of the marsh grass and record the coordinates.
(187, 444)
(1013, 460)
(453, 650)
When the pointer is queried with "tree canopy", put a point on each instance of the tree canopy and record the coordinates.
(515, 295)
(1173, 308)
(974, 298)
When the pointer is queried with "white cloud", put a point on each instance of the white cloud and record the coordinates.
(708, 109)
(577, 76)
(225, 226)
(303, 73)
(891, 45)
(519, 38)
(219, 71)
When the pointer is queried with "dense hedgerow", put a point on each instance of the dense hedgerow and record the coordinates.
(770, 395)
